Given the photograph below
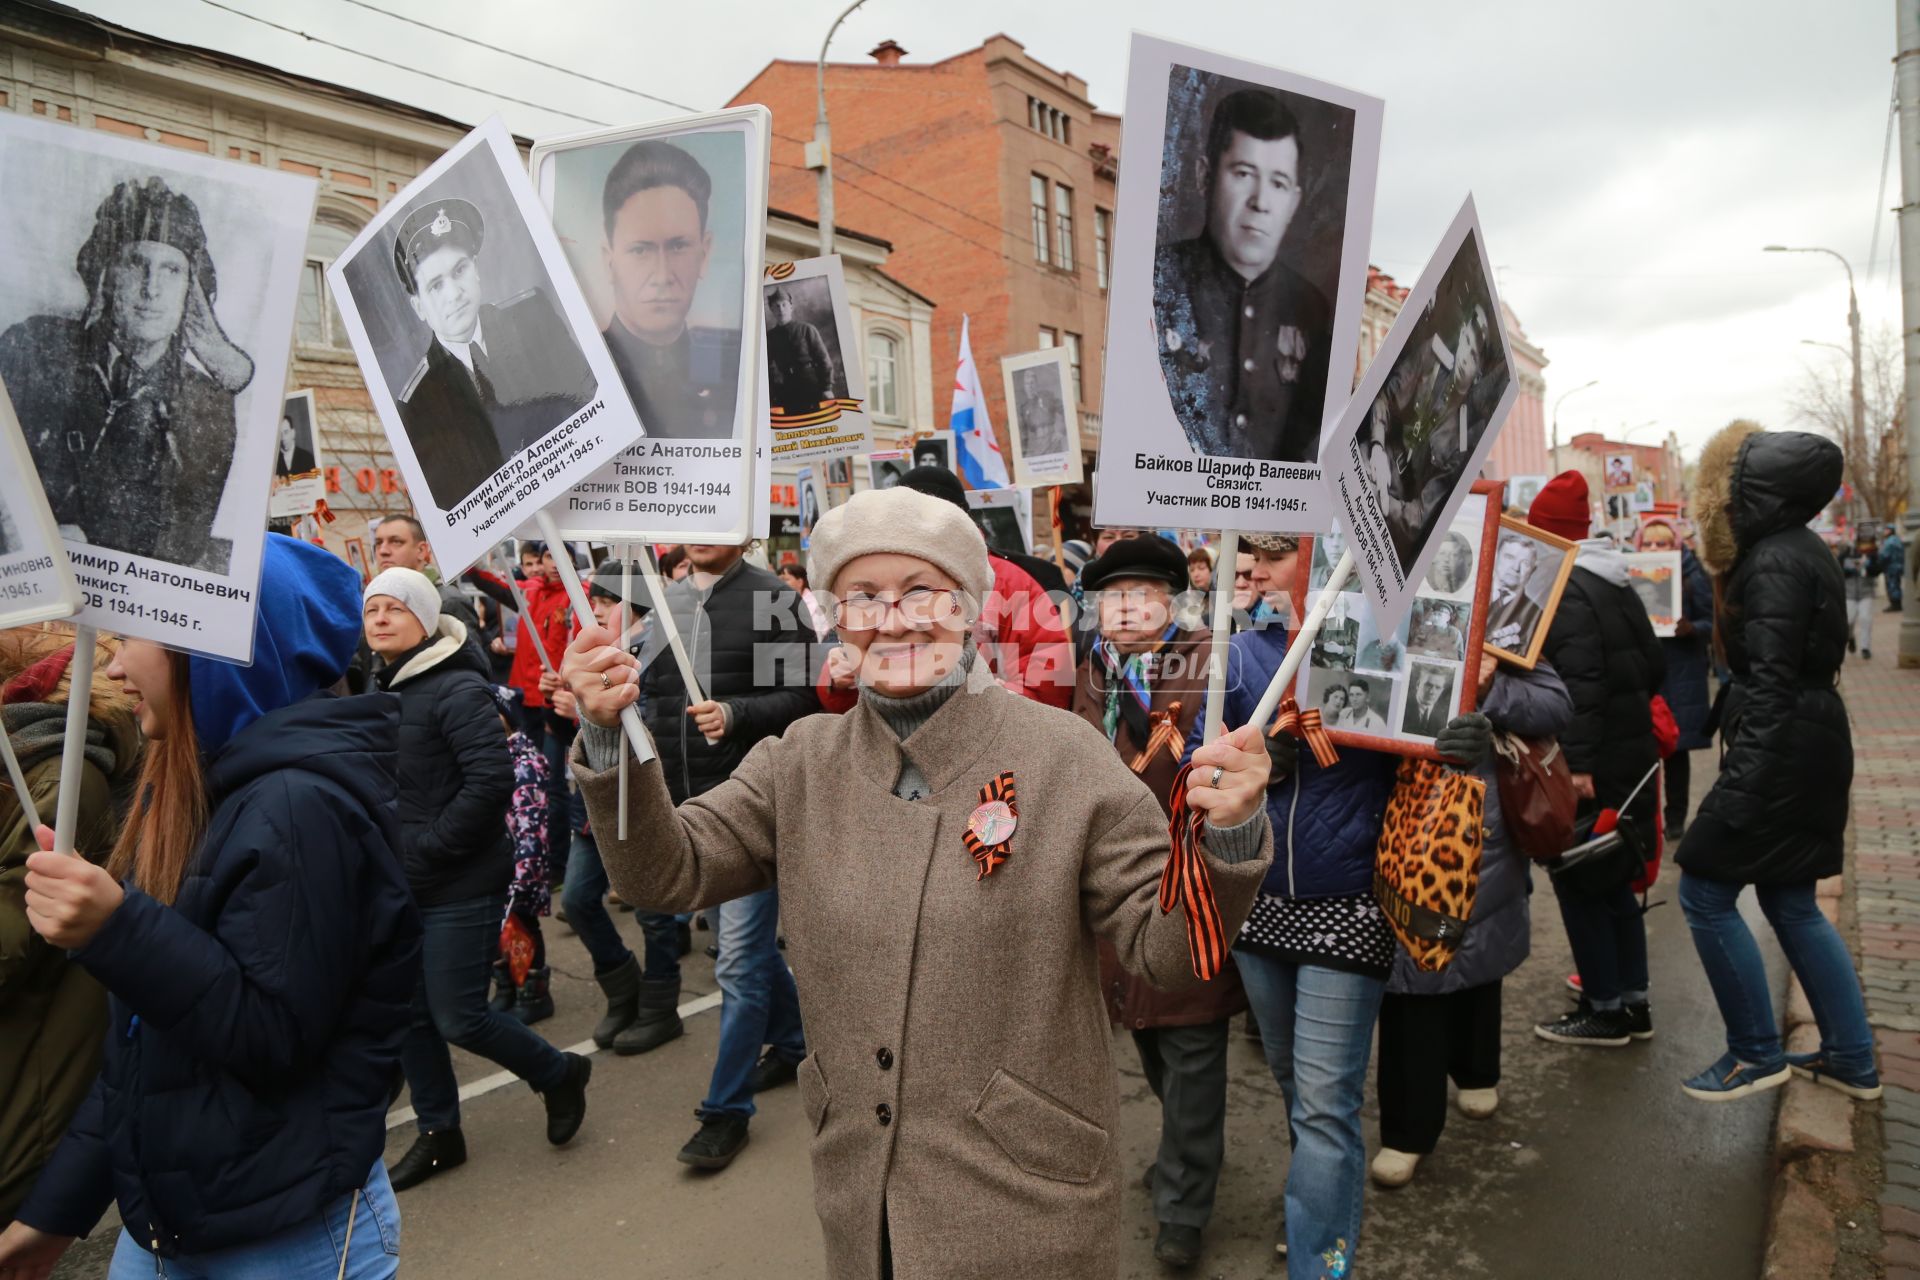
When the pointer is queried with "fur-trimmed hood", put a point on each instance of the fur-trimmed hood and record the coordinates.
(1752, 482)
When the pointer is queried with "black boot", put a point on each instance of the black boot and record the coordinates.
(503, 991)
(622, 990)
(536, 997)
(718, 1142)
(659, 1019)
(567, 1101)
(430, 1154)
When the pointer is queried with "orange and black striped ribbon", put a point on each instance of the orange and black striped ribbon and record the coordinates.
(990, 856)
(1185, 883)
(1166, 736)
(1306, 726)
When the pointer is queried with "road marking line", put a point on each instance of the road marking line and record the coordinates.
(501, 1079)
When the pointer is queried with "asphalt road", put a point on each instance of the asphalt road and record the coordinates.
(1595, 1166)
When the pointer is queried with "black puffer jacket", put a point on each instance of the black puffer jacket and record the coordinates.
(750, 641)
(1778, 810)
(1604, 648)
(456, 777)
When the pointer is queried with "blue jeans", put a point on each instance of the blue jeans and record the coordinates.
(1812, 946)
(1608, 934)
(460, 942)
(585, 902)
(309, 1251)
(759, 1004)
(1317, 1027)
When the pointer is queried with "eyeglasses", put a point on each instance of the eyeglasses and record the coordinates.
(1243, 575)
(918, 607)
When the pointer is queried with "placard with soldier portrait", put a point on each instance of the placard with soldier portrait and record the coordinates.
(814, 378)
(1043, 422)
(479, 350)
(1530, 572)
(36, 581)
(1239, 274)
(298, 485)
(146, 315)
(664, 225)
(1403, 457)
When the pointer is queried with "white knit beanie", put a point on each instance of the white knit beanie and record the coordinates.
(411, 588)
(903, 522)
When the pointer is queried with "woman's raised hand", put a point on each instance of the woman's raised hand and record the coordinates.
(604, 677)
(1240, 760)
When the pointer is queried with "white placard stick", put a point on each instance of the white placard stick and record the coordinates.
(19, 780)
(73, 751)
(663, 618)
(1222, 632)
(1297, 651)
(626, 627)
(577, 594)
(526, 618)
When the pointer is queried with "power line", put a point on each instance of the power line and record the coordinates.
(512, 53)
(399, 66)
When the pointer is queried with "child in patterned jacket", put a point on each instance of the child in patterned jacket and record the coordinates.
(530, 896)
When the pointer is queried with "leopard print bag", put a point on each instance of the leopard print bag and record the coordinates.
(1426, 869)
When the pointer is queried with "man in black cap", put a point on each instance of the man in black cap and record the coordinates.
(128, 410)
(1245, 339)
(495, 378)
(682, 379)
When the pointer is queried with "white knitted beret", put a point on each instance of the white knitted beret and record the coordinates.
(411, 588)
(904, 522)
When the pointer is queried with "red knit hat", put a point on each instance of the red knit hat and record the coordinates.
(1562, 507)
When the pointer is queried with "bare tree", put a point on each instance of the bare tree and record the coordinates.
(1876, 467)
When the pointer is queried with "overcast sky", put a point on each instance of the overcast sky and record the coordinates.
(1629, 159)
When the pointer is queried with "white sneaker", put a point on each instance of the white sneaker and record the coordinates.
(1478, 1104)
(1394, 1168)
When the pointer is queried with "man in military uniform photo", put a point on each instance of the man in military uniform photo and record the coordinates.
(1245, 340)
(683, 380)
(799, 366)
(128, 409)
(495, 378)
(1043, 421)
(1512, 615)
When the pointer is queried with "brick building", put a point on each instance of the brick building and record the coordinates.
(991, 174)
(1661, 463)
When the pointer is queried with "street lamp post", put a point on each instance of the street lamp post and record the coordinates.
(820, 154)
(1857, 446)
(1854, 507)
(1553, 457)
(1906, 75)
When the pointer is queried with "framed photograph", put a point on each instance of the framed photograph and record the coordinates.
(813, 502)
(1655, 578)
(1522, 490)
(1401, 461)
(1619, 473)
(1530, 571)
(36, 582)
(1043, 422)
(298, 485)
(147, 302)
(814, 378)
(1239, 271)
(885, 468)
(1642, 496)
(1005, 516)
(481, 355)
(934, 450)
(664, 227)
(357, 557)
(1390, 684)
(838, 472)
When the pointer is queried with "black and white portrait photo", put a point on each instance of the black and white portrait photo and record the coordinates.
(1043, 422)
(294, 453)
(804, 369)
(1338, 644)
(885, 469)
(934, 451)
(146, 307)
(1450, 572)
(1438, 629)
(1430, 699)
(1327, 550)
(1040, 410)
(1530, 570)
(808, 485)
(9, 535)
(1522, 490)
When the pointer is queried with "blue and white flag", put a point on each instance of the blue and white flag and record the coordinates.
(980, 459)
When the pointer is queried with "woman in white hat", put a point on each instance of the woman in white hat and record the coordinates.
(947, 855)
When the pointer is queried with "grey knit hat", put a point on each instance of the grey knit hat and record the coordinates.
(902, 522)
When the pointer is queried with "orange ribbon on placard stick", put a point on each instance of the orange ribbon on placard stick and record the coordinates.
(1185, 883)
(1306, 726)
(321, 513)
(1166, 736)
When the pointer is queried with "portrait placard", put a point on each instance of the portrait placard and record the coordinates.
(814, 378)
(1043, 422)
(357, 557)
(1005, 516)
(1655, 578)
(298, 483)
(36, 582)
(480, 352)
(1392, 685)
(813, 502)
(885, 468)
(664, 226)
(1522, 490)
(1619, 473)
(935, 449)
(1530, 572)
(1239, 273)
(147, 303)
(1403, 457)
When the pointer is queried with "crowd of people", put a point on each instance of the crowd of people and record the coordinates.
(934, 803)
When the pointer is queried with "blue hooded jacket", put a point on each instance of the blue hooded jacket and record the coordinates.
(256, 1022)
(1326, 822)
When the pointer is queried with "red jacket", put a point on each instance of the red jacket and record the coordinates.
(547, 615)
(1021, 638)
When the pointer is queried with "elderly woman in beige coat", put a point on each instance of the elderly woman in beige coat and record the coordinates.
(947, 855)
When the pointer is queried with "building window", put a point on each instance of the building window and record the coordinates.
(1049, 337)
(1039, 199)
(883, 375)
(1055, 124)
(318, 317)
(1073, 363)
(1102, 240)
(1063, 225)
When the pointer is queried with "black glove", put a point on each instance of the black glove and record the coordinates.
(1466, 741)
(1283, 750)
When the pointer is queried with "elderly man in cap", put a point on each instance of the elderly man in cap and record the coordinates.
(495, 378)
(128, 409)
(1141, 687)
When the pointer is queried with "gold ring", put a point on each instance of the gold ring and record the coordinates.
(606, 680)
(1213, 780)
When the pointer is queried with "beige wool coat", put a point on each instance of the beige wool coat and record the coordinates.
(961, 1080)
